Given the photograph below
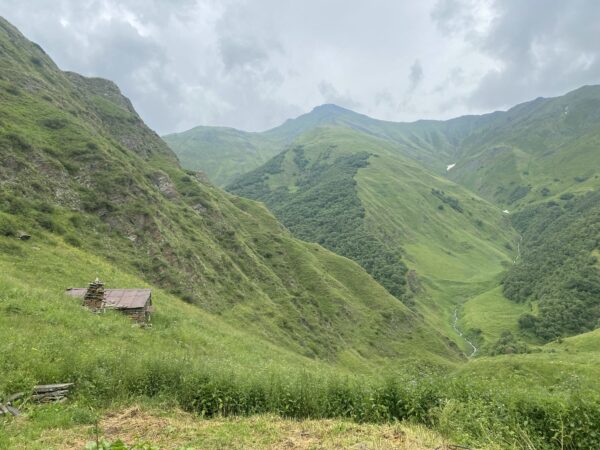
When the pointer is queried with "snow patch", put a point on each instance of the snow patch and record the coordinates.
(450, 166)
(506, 211)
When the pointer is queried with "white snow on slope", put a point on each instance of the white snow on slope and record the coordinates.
(450, 167)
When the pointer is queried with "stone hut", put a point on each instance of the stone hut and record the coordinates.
(136, 303)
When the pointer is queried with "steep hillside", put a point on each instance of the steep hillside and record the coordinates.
(534, 150)
(546, 149)
(355, 194)
(77, 161)
(558, 270)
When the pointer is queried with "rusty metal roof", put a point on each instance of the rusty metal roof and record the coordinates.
(118, 298)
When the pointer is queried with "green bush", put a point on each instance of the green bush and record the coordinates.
(72, 240)
(8, 225)
(54, 123)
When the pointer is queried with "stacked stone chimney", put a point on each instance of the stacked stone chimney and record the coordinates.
(94, 296)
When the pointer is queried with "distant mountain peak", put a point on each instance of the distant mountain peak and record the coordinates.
(330, 109)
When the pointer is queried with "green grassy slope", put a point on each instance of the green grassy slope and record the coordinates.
(196, 360)
(456, 244)
(534, 150)
(77, 161)
(48, 337)
(222, 153)
(539, 150)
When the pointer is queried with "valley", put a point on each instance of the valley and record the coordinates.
(336, 279)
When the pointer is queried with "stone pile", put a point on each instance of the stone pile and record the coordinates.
(94, 296)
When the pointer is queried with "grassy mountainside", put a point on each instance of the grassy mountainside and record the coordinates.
(354, 192)
(534, 150)
(225, 152)
(77, 161)
(319, 202)
(195, 360)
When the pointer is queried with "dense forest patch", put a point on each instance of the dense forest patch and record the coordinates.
(325, 208)
(557, 267)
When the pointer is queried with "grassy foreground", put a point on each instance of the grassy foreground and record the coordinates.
(178, 429)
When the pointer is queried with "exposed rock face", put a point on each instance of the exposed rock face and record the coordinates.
(165, 185)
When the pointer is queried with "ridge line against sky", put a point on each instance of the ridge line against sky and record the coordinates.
(253, 64)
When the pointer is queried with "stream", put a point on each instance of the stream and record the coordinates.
(455, 326)
(518, 250)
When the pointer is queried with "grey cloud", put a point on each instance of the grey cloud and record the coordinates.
(453, 16)
(416, 75)
(331, 95)
(251, 65)
(539, 47)
(240, 54)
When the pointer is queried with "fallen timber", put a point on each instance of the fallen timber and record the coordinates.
(43, 393)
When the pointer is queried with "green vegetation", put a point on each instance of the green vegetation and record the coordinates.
(112, 188)
(218, 370)
(252, 322)
(222, 153)
(324, 207)
(557, 269)
(325, 189)
(450, 201)
(492, 314)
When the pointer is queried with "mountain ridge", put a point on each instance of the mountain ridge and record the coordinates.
(435, 143)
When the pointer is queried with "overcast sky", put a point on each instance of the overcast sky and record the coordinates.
(253, 64)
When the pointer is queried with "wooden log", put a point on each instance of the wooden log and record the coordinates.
(14, 411)
(51, 387)
(50, 394)
(12, 398)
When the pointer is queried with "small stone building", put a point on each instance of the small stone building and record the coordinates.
(136, 303)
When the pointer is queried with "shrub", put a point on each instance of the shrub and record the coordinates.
(72, 240)
(8, 225)
(54, 123)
